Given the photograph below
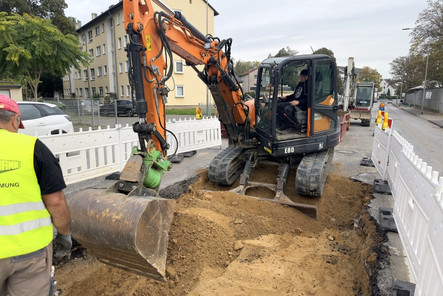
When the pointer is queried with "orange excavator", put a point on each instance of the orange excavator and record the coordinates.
(127, 225)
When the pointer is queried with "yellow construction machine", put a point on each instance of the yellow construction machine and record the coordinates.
(127, 225)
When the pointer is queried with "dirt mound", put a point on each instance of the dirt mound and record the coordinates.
(222, 243)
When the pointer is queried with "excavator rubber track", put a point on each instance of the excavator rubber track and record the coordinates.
(227, 166)
(312, 172)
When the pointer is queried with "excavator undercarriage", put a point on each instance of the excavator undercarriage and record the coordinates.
(311, 172)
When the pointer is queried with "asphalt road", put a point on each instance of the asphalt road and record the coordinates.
(426, 136)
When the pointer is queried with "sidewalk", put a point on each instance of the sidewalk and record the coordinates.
(435, 118)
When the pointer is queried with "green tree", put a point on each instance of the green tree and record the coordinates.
(53, 10)
(330, 53)
(407, 70)
(31, 46)
(426, 42)
(241, 67)
(370, 75)
(284, 52)
(427, 39)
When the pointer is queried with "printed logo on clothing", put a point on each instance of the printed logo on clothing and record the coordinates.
(9, 165)
(298, 92)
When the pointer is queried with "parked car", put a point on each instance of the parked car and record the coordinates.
(124, 107)
(60, 105)
(41, 119)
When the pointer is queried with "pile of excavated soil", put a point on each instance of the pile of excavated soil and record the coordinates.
(222, 243)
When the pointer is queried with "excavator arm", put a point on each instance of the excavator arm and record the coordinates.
(153, 38)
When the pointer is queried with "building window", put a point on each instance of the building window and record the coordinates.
(93, 74)
(90, 35)
(103, 27)
(105, 70)
(118, 19)
(94, 92)
(126, 66)
(85, 72)
(79, 74)
(83, 39)
(120, 67)
(119, 43)
(179, 91)
(104, 49)
(122, 91)
(100, 91)
(179, 67)
(91, 52)
(98, 51)
(97, 30)
(99, 71)
(125, 40)
(128, 91)
(106, 89)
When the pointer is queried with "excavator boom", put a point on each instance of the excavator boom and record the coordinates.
(127, 225)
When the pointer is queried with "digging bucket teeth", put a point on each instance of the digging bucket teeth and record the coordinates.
(129, 232)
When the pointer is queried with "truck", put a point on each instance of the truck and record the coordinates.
(127, 224)
(358, 96)
(361, 105)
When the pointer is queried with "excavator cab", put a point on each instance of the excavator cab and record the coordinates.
(308, 148)
(313, 130)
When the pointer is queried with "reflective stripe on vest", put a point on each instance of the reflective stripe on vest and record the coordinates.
(25, 224)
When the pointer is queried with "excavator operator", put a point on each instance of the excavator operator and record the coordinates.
(289, 105)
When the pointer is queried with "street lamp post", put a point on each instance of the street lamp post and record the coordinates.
(424, 85)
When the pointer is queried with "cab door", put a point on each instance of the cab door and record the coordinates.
(323, 113)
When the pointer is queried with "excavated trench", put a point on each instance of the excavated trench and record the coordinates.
(222, 243)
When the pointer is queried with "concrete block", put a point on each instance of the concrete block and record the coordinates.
(387, 219)
(367, 161)
(382, 186)
(401, 288)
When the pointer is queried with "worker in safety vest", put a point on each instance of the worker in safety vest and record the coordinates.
(31, 202)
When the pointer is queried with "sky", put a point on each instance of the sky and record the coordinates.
(369, 31)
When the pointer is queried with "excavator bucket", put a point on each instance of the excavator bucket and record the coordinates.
(129, 232)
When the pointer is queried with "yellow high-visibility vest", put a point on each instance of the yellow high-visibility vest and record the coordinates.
(25, 224)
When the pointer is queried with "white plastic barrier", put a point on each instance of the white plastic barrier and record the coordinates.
(88, 154)
(418, 208)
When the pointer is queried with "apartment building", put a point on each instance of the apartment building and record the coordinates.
(106, 77)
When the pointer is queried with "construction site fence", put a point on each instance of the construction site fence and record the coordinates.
(417, 191)
(432, 101)
(92, 153)
(84, 112)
